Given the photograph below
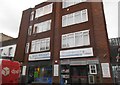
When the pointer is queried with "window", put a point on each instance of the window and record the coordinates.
(75, 18)
(32, 16)
(42, 27)
(30, 30)
(67, 3)
(93, 69)
(1, 51)
(33, 46)
(75, 39)
(27, 47)
(10, 51)
(40, 45)
(84, 15)
(70, 39)
(35, 30)
(43, 10)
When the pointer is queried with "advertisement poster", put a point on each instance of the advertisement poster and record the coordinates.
(105, 70)
(56, 71)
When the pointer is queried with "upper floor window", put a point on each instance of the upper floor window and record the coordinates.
(75, 18)
(40, 45)
(67, 3)
(32, 16)
(44, 10)
(42, 27)
(75, 39)
(30, 30)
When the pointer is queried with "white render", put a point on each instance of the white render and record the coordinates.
(4, 51)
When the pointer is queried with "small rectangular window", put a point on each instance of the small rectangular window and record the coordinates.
(27, 47)
(30, 30)
(32, 16)
(93, 69)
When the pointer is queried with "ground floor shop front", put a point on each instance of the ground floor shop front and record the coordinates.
(71, 71)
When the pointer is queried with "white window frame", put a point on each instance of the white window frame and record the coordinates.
(40, 45)
(65, 44)
(41, 28)
(71, 3)
(67, 22)
(95, 69)
(41, 11)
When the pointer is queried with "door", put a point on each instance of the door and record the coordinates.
(79, 74)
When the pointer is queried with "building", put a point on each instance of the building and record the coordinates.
(7, 48)
(64, 42)
(4, 37)
(115, 58)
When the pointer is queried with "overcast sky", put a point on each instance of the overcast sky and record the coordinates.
(11, 13)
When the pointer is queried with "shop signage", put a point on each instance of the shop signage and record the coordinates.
(24, 70)
(84, 52)
(56, 70)
(105, 70)
(39, 56)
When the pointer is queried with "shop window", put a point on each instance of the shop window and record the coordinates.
(40, 74)
(93, 69)
(44, 10)
(75, 39)
(67, 3)
(75, 18)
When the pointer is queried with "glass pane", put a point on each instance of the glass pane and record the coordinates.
(43, 45)
(70, 20)
(86, 40)
(78, 17)
(64, 20)
(47, 43)
(84, 15)
(71, 40)
(64, 41)
(33, 46)
(78, 39)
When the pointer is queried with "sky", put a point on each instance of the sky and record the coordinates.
(11, 13)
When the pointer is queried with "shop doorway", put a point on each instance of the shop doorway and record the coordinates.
(79, 75)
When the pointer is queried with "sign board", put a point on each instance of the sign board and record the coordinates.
(24, 70)
(56, 70)
(105, 70)
(39, 56)
(84, 52)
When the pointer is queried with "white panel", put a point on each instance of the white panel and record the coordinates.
(84, 52)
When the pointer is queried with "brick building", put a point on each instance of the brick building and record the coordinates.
(63, 40)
